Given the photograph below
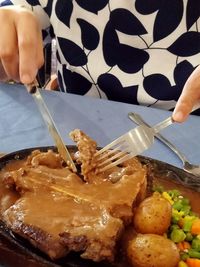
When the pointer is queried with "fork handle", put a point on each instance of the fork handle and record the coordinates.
(160, 126)
(139, 120)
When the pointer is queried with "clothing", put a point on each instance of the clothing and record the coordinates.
(133, 51)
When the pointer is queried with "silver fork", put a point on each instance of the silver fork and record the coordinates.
(187, 166)
(128, 145)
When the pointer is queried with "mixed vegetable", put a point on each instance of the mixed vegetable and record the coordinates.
(184, 229)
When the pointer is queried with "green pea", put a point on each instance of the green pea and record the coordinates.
(177, 235)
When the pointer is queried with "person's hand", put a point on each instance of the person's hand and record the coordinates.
(3, 75)
(189, 97)
(21, 48)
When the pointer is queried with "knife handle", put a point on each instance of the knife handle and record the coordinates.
(32, 87)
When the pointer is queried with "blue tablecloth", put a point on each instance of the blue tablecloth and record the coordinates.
(21, 125)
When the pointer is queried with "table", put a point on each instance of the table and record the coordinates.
(21, 125)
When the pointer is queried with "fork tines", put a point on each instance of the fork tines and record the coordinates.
(113, 154)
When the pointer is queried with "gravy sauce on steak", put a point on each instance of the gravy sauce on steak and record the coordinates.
(58, 211)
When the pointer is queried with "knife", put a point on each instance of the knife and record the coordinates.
(61, 147)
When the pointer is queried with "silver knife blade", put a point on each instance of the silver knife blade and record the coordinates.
(62, 149)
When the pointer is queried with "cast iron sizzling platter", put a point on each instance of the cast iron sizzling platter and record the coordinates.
(15, 252)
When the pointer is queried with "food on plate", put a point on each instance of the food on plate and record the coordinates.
(185, 229)
(102, 216)
(85, 155)
(58, 211)
(153, 215)
(150, 250)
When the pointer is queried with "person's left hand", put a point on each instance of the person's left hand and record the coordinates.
(189, 97)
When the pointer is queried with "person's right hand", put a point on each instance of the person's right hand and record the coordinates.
(21, 48)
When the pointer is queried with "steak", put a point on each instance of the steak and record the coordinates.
(59, 212)
(86, 150)
(56, 225)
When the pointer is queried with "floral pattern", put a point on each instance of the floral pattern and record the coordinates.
(134, 51)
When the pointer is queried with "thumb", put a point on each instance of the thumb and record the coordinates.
(189, 97)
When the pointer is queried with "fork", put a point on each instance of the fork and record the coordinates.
(128, 145)
(187, 166)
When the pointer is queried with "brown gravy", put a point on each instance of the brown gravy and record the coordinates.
(192, 195)
(9, 197)
(54, 202)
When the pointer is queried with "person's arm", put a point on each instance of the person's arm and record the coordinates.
(189, 97)
(21, 44)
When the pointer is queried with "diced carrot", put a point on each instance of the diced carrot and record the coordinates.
(181, 222)
(193, 262)
(195, 230)
(183, 245)
(186, 245)
(180, 246)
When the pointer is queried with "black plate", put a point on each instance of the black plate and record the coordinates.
(15, 252)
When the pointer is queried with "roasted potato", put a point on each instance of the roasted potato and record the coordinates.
(153, 215)
(150, 250)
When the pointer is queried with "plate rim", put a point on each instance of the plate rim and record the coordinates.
(174, 172)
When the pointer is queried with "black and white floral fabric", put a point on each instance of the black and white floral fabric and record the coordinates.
(133, 51)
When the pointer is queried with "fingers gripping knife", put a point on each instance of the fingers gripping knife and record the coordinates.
(62, 149)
